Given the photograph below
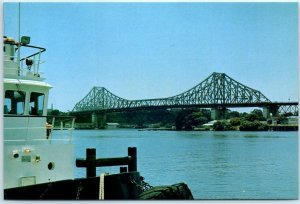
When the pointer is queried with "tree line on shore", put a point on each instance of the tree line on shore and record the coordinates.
(187, 119)
(233, 120)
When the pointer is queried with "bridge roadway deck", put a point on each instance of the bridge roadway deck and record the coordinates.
(227, 105)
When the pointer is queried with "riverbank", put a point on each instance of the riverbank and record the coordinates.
(270, 128)
(236, 128)
(283, 127)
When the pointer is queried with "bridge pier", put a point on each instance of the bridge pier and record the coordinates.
(218, 113)
(94, 120)
(99, 120)
(266, 112)
(102, 121)
(272, 109)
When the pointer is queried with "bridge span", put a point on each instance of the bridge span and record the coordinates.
(218, 92)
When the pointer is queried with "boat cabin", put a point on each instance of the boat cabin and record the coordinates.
(25, 93)
(31, 155)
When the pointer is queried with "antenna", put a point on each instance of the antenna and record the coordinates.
(19, 41)
(19, 35)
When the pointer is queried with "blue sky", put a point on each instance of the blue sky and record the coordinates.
(156, 50)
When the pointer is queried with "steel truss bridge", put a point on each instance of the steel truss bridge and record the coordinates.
(216, 91)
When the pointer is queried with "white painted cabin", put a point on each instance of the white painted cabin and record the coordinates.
(31, 155)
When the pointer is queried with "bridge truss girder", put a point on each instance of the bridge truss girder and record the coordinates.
(217, 89)
(293, 109)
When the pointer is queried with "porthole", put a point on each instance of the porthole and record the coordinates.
(16, 155)
(51, 165)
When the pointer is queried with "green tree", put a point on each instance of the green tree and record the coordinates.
(247, 126)
(189, 118)
(257, 112)
(233, 114)
(180, 120)
(222, 125)
(218, 126)
(235, 121)
(55, 112)
(253, 126)
(262, 127)
(281, 119)
(252, 117)
(288, 114)
(206, 113)
(201, 120)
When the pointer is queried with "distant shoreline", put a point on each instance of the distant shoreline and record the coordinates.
(271, 128)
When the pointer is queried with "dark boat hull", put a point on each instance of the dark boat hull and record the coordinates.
(117, 187)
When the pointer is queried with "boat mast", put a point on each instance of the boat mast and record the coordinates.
(19, 36)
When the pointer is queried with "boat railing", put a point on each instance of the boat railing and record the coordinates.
(27, 66)
(38, 129)
(25, 72)
(63, 127)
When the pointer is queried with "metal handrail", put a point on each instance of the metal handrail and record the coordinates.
(36, 57)
(61, 127)
(41, 49)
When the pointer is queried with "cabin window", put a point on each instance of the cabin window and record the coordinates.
(14, 102)
(36, 105)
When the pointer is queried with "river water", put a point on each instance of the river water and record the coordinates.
(215, 165)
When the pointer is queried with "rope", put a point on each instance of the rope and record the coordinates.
(101, 186)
